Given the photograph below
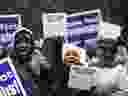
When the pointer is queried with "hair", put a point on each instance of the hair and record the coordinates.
(23, 35)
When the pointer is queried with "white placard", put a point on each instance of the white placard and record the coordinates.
(53, 24)
(90, 27)
(109, 30)
(18, 16)
(82, 81)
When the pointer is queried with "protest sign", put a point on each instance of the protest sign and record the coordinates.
(81, 77)
(109, 30)
(81, 28)
(53, 24)
(8, 26)
(10, 84)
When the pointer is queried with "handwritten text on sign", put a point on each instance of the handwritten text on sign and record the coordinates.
(81, 28)
(9, 85)
(7, 31)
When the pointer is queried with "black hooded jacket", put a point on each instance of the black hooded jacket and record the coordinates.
(52, 49)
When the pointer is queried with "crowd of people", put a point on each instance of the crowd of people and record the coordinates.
(111, 61)
(41, 62)
(22, 58)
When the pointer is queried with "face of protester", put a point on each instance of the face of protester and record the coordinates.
(23, 46)
(72, 56)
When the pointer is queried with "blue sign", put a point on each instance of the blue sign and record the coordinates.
(81, 29)
(10, 84)
(7, 31)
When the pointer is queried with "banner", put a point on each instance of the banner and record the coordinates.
(53, 24)
(10, 84)
(81, 28)
(8, 26)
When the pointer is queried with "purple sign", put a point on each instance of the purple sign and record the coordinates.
(7, 31)
(10, 84)
(81, 29)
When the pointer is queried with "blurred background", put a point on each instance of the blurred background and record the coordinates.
(112, 10)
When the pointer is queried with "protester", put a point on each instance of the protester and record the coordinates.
(22, 60)
(110, 55)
